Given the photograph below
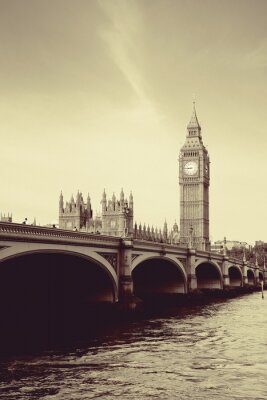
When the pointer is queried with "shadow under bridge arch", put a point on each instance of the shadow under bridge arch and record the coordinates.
(158, 276)
(209, 275)
(251, 277)
(75, 268)
(51, 297)
(235, 276)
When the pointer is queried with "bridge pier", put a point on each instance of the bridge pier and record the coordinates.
(257, 276)
(190, 270)
(245, 273)
(225, 273)
(245, 280)
(127, 301)
(226, 281)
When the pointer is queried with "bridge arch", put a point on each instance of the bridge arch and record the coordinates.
(251, 277)
(52, 296)
(81, 253)
(208, 274)
(235, 276)
(158, 275)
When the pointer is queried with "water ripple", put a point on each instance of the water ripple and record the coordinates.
(218, 352)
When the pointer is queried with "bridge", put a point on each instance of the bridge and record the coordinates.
(99, 268)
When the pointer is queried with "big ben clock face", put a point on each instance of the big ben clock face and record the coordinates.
(190, 168)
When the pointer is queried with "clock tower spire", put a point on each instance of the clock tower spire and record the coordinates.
(194, 180)
(194, 128)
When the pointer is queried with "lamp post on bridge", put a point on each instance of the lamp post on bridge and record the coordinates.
(190, 242)
(126, 213)
(245, 265)
(224, 247)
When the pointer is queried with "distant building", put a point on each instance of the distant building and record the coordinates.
(218, 246)
(259, 243)
(117, 215)
(175, 234)
(6, 218)
(116, 218)
(75, 214)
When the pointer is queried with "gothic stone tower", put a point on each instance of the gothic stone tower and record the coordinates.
(75, 215)
(194, 179)
(117, 215)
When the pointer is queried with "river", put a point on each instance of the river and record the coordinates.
(213, 351)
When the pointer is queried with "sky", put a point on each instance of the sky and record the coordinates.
(97, 95)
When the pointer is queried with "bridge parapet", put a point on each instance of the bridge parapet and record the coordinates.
(234, 260)
(159, 245)
(10, 231)
(210, 255)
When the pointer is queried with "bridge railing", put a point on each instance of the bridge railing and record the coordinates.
(9, 230)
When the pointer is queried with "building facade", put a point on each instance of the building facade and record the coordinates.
(219, 245)
(116, 218)
(117, 215)
(6, 218)
(75, 215)
(194, 180)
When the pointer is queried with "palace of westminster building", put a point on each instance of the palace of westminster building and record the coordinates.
(117, 214)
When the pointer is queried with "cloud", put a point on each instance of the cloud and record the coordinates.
(121, 37)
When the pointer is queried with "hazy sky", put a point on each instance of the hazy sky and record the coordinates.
(97, 94)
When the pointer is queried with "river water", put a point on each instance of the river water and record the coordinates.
(213, 351)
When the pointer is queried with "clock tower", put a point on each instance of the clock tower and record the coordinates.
(194, 179)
